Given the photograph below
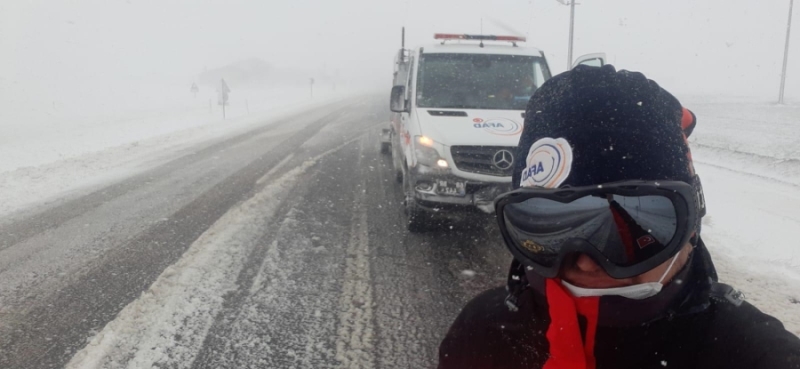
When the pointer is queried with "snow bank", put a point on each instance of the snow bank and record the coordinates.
(38, 132)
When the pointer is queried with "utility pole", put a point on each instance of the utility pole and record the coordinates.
(311, 87)
(571, 29)
(571, 32)
(786, 54)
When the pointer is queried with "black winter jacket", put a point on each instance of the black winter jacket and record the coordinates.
(702, 325)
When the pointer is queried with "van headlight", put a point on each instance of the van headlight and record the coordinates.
(426, 152)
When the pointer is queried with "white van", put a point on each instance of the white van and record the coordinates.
(458, 113)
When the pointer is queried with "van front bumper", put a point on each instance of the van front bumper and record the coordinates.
(429, 194)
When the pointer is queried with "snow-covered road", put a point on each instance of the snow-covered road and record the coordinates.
(282, 247)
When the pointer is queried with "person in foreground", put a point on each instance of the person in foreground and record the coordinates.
(610, 270)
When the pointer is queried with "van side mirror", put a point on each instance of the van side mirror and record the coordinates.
(397, 102)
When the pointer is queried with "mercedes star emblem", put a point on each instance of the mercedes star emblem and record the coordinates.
(503, 159)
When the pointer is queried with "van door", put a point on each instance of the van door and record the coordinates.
(407, 131)
(592, 60)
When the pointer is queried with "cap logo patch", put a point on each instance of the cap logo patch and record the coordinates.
(548, 164)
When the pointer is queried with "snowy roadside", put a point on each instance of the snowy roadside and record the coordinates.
(93, 166)
(748, 156)
(751, 230)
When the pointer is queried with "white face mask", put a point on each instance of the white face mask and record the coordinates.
(634, 292)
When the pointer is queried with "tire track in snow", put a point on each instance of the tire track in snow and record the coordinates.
(167, 323)
(354, 338)
(170, 327)
(285, 313)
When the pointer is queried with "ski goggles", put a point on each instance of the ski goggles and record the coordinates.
(628, 227)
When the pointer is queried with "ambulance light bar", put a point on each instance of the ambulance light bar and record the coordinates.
(452, 36)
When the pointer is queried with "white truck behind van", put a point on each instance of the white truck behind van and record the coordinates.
(458, 108)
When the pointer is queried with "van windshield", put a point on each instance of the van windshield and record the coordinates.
(478, 81)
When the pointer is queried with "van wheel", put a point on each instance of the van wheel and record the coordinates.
(417, 220)
(386, 148)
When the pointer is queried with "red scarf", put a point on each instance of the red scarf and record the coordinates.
(568, 350)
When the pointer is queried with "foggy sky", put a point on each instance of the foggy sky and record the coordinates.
(732, 47)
